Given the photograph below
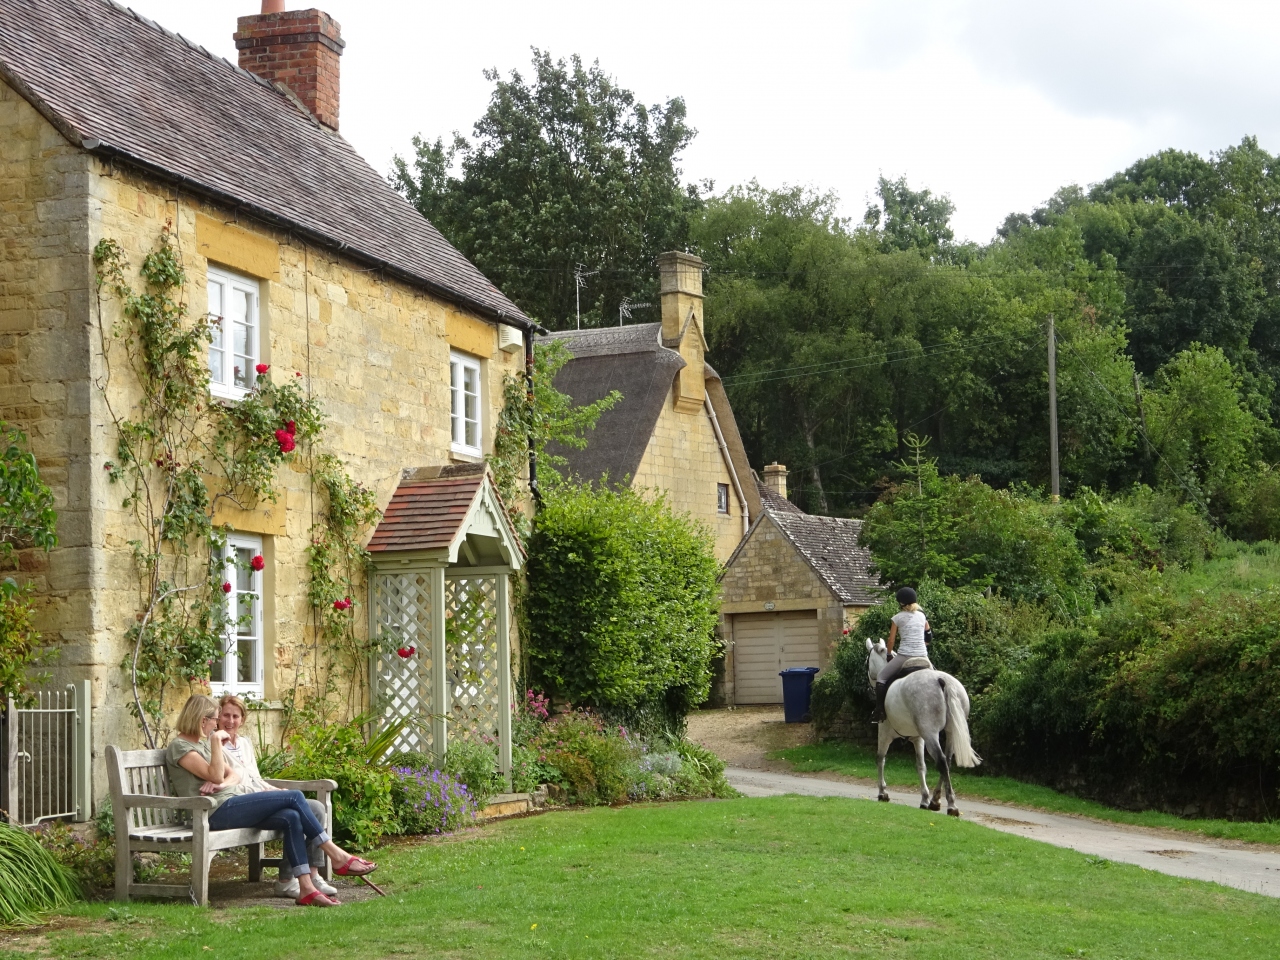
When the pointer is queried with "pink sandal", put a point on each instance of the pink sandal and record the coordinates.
(355, 867)
(317, 899)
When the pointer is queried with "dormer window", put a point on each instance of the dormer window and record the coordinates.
(464, 390)
(233, 321)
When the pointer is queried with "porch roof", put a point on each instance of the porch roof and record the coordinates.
(434, 510)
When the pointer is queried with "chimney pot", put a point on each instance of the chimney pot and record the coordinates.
(775, 479)
(298, 49)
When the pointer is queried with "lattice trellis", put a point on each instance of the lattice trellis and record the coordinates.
(402, 612)
(473, 664)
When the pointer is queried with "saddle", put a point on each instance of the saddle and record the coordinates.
(912, 665)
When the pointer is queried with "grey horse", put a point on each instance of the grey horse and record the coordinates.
(919, 707)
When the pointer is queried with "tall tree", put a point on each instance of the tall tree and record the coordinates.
(910, 219)
(564, 168)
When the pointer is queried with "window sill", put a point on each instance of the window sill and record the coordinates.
(466, 454)
(221, 391)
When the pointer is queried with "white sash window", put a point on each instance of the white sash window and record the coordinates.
(234, 323)
(239, 669)
(464, 389)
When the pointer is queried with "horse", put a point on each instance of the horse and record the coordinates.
(919, 706)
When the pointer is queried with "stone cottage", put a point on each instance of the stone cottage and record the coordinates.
(673, 430)
(789, 590)
(311, 265)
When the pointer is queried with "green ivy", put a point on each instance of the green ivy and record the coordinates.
(180, 452)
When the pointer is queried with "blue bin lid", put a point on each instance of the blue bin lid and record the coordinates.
(796, 670)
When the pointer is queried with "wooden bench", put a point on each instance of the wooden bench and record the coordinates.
(147, 818)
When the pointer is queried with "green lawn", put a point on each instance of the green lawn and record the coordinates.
(900, 771)
(773, 878)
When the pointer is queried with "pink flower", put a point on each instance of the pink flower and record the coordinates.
(262, 368)
(226, 587)
(286, 441)
(257, 563)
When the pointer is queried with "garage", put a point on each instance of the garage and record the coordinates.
(763, 644)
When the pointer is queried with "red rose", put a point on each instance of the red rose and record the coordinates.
(291, 428)
(262, 368)
(297, 373)
(257, 563)
(286, 441)
(342, 604)
(226, 587)
(405, 652)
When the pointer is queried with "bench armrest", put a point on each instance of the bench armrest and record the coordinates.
(326, 786)
(166, 803)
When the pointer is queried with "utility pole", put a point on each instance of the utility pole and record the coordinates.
(580, 274)
(1053, 414)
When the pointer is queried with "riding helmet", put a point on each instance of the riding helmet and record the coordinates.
(906, 597)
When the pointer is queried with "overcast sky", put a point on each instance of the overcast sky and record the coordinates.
(997, 103)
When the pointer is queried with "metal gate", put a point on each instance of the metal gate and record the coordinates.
(45, 774)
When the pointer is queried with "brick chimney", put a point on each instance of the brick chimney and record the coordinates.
(298, 49)
(775, 478)
(680, 288)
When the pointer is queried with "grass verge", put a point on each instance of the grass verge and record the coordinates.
(782, 877)
(900, 771)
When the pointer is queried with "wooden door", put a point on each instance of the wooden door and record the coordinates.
(765, 643)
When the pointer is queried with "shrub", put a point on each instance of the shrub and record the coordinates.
(92, 862)
(428, 801)
(701, 772)
(591, 759)
(363, 811)
(31, 879)
(622, 606)
(475, 765)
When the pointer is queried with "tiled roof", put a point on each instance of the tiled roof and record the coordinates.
(772, 502)
(425, 515)
(124, 88)
(830, 545)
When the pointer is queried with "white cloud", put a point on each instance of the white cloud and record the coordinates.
(997, 103)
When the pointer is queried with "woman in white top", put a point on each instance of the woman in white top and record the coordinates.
(238, 751)
(908, 628)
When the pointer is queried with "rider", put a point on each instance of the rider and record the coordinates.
(910, 624)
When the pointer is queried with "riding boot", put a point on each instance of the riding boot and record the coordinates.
(881, 690)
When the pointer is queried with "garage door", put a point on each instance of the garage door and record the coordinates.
(763, 644)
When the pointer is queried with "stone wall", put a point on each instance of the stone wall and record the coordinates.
(768, 573)
(45, 291)
(373, 351)
(683, 459)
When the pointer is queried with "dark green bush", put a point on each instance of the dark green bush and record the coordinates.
(622, 606)
(590, 758)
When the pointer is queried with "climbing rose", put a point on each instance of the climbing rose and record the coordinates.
(291, 428)
(226, 587)
(286, 441)
(342, 604)
(258, 562)
(297, 373)
(262, 368)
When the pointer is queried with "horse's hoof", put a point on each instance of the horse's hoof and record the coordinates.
(924, 806)
(935, 806)
(953, 812)
(883, 798)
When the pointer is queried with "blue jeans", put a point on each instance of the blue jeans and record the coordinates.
(284, 810)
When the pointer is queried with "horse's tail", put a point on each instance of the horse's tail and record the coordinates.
(961, 747)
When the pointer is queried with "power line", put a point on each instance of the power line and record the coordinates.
(872, 360)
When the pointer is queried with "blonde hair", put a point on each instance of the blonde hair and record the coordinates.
(911, 607)
(197, 708)
(235, 701)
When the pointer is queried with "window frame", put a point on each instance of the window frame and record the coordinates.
(459, 365)
(227, 388)
(231, 604)
(722, 499)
